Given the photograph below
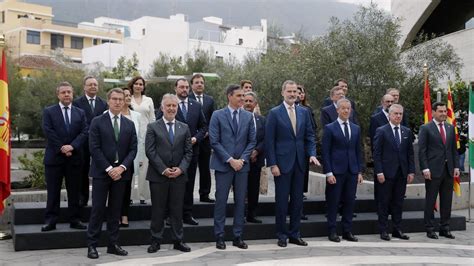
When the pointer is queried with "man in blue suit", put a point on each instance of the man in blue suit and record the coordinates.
(232, 136)
(92, 105)
(65, 129)
(190, 113)
(113, 146)
(329, 113)
(343, 165)
(289, 141)
(394, 165)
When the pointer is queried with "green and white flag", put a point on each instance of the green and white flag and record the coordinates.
(471, 131)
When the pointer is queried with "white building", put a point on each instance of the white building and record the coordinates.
(150, 36)
(451, 20)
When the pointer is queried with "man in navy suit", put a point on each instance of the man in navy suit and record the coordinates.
(65, 129)
(329, 113)
(289, 141)
(380, 118)
(190, 112)
(257, 158)
(113, 146)
(232, 136)
(394, 166)
(93, 106)
(343, 165)
(208, 107)
(345, 87)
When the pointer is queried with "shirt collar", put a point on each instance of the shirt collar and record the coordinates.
(62, 105)
(183, 100)
(393, 125)
(112, 115)
(167, 121)
(341, 122)
(232, 109)
(89, 98)
(288, 106)
(437, 122)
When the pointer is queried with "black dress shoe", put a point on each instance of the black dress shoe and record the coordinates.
(384, 236)
(349, 237)
(206, 199)
(400, 234)
(238, 242)
(220, 244)
(297, 241)
(167, 221)
(334, 237)
(92, 253)
(190, 221)
(432, 235)
(253, 220)
(117, 250)
(48, 227)
(77, 225)
(124, 225)
(281, 243)
(154, 247)
(142, 201)
(304, 197)
(446, 233)
(304, 217)
(181, 246)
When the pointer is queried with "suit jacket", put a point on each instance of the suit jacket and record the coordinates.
(208, 105)
(404, 119)
(83, 103)
(388, 158)
(377, 120)
(433, 153)
(339, 155)
(54, 128)
(103, 146)
(282, 147)
(163, 154)
(260, 135)
(228, 142)
(195, 121)
(329, 115)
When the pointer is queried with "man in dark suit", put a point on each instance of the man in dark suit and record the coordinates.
(343, 165)
(345, 87)
(208, 107)
(190, 112)
(289, 141)
(65, 129)
(380, 118)
(93, 106)
(113, 146)
(394, 166)
(329, 113)
(169, 150)
(257, 158)
(232, 136)
(395, 93)
(440, 164)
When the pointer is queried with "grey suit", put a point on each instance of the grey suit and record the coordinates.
(167, 193)
(440, 159)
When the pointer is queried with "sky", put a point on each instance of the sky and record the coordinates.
(384, 4)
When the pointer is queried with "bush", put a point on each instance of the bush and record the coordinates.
(36, 166)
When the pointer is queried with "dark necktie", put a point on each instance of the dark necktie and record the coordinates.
(234, 121)
(170, 132)
(184, 110)
(442, 133)
(91, 102)
(116, 133)
(397, 137)
(199, 99)
(346, 132)
(66, 118)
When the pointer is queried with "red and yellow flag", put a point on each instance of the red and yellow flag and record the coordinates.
(427, 102)
(452, 120)
(4, 135)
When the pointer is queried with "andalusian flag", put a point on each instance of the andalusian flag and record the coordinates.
(452, 120)
(471, 131)
(427, 102)
(4, 135)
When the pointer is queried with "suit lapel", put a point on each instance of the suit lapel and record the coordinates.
(228, 115)
(164, 128)
(435, 129)
(61, 115)
(286, 118)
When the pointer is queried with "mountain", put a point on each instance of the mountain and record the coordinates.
(305, 16)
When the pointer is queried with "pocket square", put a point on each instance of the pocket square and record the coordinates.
(405, 137)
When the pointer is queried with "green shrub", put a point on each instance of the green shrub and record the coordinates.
(36, 166)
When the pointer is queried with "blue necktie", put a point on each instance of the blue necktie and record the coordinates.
(234, 121)
(66, 117)
(397, 137)
(346, 132)
(184, 110)
(170, 132)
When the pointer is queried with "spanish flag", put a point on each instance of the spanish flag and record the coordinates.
(4, 135)
(427, 102)
(452, 120)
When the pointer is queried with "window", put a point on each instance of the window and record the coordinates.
(57, 41)
(143, 31)
(33, 37)
(77, 42)
(95, 41)
(3, 17)
(241, 41)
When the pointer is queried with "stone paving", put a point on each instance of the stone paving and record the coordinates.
(370, 250)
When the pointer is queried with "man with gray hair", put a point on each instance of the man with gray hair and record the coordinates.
(329, 113)
(394, 166)
(169, 150)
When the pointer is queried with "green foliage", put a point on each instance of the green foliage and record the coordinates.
(125, 68)
(460, 92)
(36, 166)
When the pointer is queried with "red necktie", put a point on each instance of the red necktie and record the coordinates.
(441, 131)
